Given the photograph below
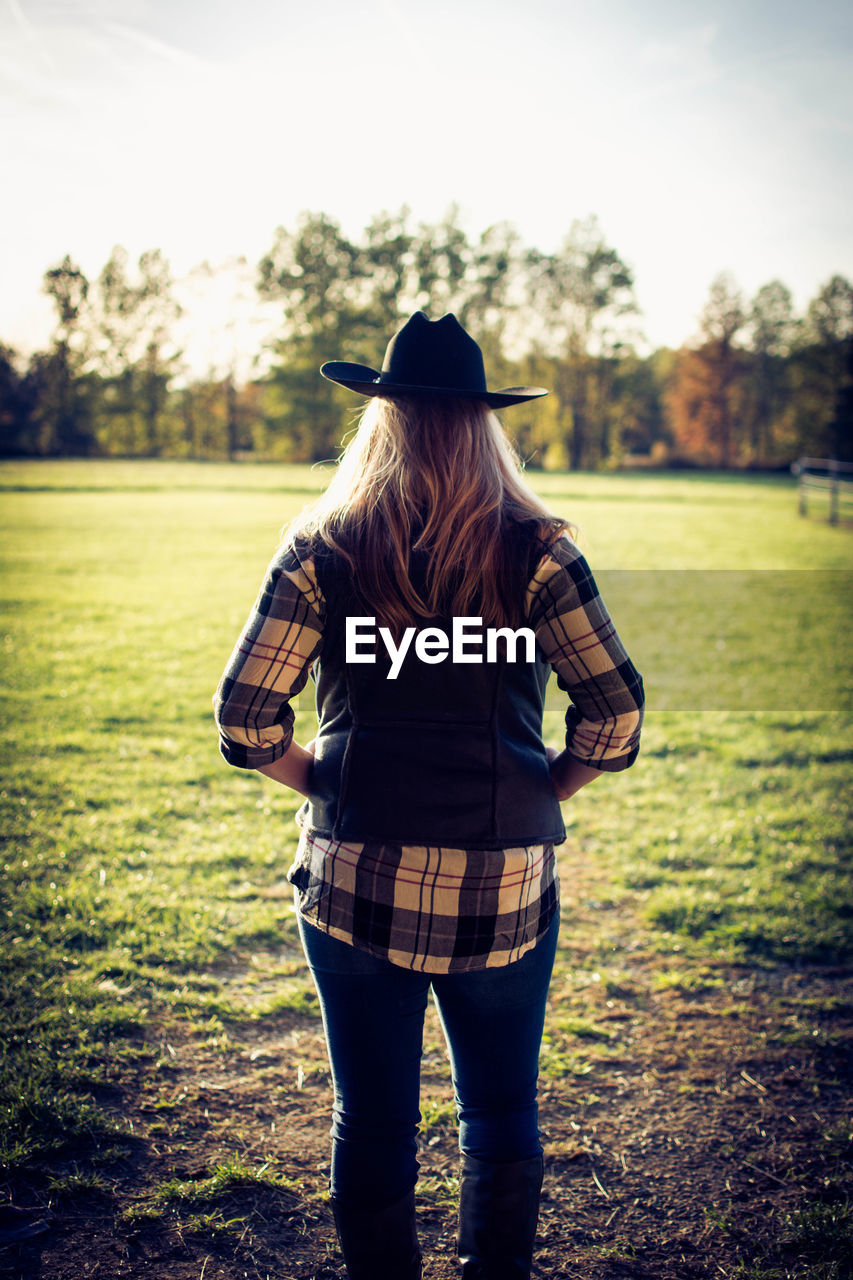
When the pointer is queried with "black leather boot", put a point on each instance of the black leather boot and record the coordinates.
(379, 1244)
(498, 1211)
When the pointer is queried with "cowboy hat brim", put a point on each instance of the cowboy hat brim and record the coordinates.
(367, 382)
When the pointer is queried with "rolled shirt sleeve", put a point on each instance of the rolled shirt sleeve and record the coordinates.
(578, 638)
(270, 664)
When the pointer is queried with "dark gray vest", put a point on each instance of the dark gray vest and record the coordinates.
(446, 754)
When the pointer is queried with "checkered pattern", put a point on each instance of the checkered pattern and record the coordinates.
(435, 910)
(269, 666)
(577, 636)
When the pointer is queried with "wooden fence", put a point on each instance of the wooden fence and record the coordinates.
(824, 476)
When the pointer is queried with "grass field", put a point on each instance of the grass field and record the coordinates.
(144, 894)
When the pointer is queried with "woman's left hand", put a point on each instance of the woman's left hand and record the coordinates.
(568, 774)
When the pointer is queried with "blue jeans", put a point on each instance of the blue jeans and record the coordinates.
(373, 1015)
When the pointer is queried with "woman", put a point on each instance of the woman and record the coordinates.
(431, 594)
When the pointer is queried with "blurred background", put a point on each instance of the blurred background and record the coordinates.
(644, 207)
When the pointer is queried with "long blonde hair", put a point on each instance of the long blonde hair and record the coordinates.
(433, 474)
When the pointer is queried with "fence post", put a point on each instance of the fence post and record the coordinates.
(826, 475)
(799, 471)
(833, 491)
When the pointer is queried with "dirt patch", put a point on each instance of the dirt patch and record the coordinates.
(713, 1131)
(696, 1119)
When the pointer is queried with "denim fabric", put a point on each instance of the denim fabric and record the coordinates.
(373, 1014)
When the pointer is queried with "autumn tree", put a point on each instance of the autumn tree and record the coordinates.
(705, 398)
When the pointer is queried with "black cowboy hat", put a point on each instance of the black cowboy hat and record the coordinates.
(428, 357)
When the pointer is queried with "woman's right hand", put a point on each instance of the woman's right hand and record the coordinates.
(568, 775)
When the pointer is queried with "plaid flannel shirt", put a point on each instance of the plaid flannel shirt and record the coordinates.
(435, 910)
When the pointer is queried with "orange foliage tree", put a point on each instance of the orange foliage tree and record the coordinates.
(705, 396)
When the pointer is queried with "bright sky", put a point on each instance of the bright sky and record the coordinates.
(705, 136)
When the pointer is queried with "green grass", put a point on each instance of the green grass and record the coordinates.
(229, 1175)
(814, 1242)
(135, 861)
(216, 1203)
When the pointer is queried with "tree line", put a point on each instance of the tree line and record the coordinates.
(758, 386)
